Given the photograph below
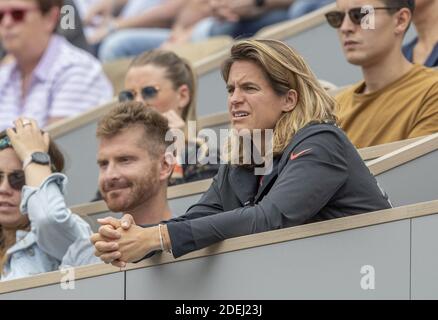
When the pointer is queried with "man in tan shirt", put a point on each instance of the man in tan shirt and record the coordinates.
(397, 100)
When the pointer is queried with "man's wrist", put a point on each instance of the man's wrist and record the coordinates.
(166, 239)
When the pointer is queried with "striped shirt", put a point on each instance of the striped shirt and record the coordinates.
(67, 81)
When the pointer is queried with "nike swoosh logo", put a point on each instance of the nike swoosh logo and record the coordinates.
(294, 156)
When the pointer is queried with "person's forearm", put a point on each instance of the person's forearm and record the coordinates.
(276, 4)
(150, 239)
(167, 244)
(53, 120)
(192, 12)
(249, 9)
(36, 174)
(160, 16)
(117, 4)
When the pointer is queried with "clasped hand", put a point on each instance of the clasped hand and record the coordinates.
(121, 241)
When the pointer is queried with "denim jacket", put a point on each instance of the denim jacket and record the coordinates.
(57, 237)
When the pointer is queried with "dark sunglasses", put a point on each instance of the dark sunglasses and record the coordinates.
(16, 179)
(146, 93)
(336, 18)
(17, 14)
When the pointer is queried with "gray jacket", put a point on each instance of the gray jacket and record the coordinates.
(57, 237)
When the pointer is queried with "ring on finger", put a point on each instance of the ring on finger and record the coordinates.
(25, 122)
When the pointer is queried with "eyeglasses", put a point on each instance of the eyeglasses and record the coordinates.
(17, 14)
(16, 179)
(336, 18)
(146, 93)
(5, 143)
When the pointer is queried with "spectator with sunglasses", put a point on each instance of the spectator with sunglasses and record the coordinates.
(49, 79)
(38, 233)
(163, 80)
(397, 100)
(424, 48)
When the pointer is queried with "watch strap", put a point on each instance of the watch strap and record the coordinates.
(27, 162)
(30, 159)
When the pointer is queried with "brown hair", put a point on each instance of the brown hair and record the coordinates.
(128, 114)
(7, 237)
(7, 240)
(410, 4)
(400, 4)
(285, 69)
(178, 71)
(56, 156)
(46, 5)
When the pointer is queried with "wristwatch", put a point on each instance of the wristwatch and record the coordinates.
(259, 3)
(37, 157)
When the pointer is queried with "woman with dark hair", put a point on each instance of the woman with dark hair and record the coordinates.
(38, 233)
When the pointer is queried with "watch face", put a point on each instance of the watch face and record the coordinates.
(40, 157)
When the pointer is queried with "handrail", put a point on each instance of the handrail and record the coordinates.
(214, 120)
(403, 155)
(280, 31)
(60, 128)
(290, 28)
(193, 51)
(240, 243)
(63, 127)
(390, 155)
(370, 153)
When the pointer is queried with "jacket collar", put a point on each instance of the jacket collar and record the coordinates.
(25, 240)
(248, 187)
(244, 184)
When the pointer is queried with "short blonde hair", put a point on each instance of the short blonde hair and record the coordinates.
(128, 114)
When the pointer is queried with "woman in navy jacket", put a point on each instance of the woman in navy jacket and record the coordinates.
(312, 173)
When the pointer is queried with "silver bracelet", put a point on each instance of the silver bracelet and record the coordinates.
(161, 238)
